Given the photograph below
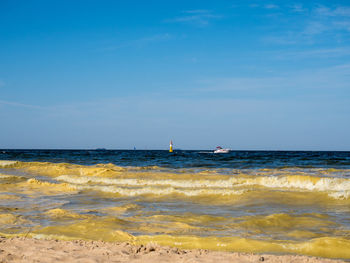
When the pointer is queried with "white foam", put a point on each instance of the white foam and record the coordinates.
(342, 195)
(4, 163)
(160, 191)
(334, 187)
(6, 176)
(142, 182)
(321, 184)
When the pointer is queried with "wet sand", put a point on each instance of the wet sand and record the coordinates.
(28, 250)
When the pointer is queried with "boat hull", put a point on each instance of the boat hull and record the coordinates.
(222, 151)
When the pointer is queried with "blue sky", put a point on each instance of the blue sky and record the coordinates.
(249, 75)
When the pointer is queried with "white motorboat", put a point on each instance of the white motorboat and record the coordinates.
(219, 149)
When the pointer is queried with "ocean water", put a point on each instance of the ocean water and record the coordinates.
(248, 201)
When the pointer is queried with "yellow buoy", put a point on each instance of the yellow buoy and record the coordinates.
(171, 147)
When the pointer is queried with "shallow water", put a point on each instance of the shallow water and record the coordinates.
(278, 202)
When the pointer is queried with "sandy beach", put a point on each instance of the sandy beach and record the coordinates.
(34, 250)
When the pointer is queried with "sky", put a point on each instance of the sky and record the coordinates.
(246, 75)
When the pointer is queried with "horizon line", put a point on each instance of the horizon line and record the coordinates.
(145, 149)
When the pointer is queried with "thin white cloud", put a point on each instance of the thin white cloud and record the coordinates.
(317, 23)
(298, 8)
(266, 6)
(196, 11)
(338, 17)
(343, 11)
(342, 25)
(285, 39)
(271, 6)
(331, 18)
(141, 42)
(198, 17)
(253, 5)
(315, 28)
(22, 105)
(308, 81)
(154, 38)
(321, 53)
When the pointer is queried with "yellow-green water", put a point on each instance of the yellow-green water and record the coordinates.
(277, 210)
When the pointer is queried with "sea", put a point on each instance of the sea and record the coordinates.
(279, 202)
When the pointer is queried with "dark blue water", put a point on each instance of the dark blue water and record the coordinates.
(186, 159)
